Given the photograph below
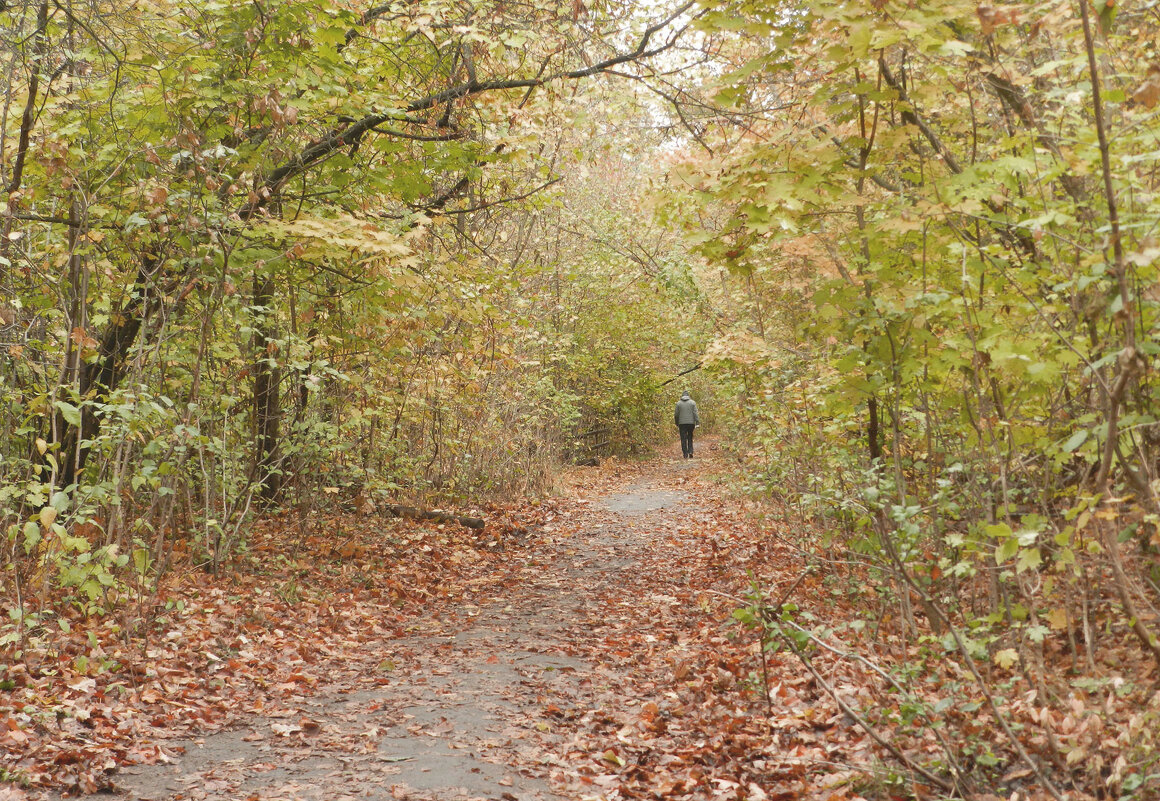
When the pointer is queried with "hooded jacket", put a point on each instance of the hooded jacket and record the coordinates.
(686, 411)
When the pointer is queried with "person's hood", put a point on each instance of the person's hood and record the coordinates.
(685, 396)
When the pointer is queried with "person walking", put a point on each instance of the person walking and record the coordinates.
(686, 419)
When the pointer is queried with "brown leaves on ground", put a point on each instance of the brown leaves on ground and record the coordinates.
(674, 701)
(690, 718)
(94, 694)
(690, 721)
(675, 715)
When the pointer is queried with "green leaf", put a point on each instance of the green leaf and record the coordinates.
(141, 561)
(31, 535)
(1029, 559)
(1037, 633)
(987, 759)
(1006, 550)
(1133, 781)
(1075, 440)
(745, 617)
(70, 413)
(998, 531)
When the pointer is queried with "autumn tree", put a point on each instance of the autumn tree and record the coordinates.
(236, 242)
(963, 198)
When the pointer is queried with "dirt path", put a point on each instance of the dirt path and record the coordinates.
(514, 699)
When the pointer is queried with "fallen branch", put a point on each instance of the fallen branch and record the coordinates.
(414, 513)
(906, 761)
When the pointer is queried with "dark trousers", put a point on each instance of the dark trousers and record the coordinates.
(687, 439)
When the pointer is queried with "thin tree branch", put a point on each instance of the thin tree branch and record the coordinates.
(450, 137)
(509, 199)
(912, 115)
(695, 367)
(28, 118)
(356, 130)
(1014, 100)
(938, 781)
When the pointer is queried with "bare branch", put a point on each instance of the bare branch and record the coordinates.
(509, 199)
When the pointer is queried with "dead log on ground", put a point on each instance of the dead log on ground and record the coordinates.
(414, 513)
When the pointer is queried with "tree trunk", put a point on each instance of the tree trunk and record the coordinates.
(98, 378)
(267, 395)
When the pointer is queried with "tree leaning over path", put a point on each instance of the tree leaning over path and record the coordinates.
(212, 212)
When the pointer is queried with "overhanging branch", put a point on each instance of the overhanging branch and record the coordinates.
(355, 131)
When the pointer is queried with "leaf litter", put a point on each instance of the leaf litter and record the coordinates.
(581, 647)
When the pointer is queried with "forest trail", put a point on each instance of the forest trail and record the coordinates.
(269, 268)
(600, 668)
(468, 712)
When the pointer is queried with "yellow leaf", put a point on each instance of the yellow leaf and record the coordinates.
(1057, 619)
(1006, 658)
